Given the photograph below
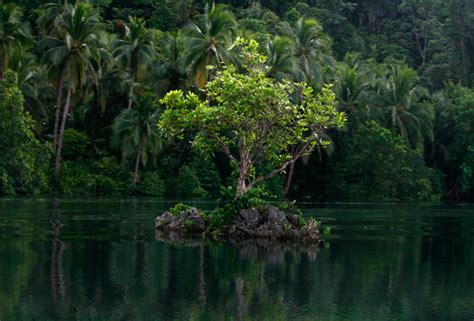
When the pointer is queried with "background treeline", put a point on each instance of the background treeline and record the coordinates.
(81, 83)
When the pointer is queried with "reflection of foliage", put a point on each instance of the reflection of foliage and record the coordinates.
(18, 262)
(138, 277)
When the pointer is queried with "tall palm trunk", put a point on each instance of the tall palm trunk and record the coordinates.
(137, 166)
(57, 163)
(59, 96)
(130, 94)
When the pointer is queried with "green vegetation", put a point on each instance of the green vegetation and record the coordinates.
(380, 167)
(179, 98)
(23, 160)
(254, 115)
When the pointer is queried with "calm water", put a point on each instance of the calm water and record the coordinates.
(100, 260)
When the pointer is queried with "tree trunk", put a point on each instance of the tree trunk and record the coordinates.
(137, 167)
(57, 163)
(289, 178)
(241, 185)
(1, 67)
(130, 94)
(59, 96)
(241, 182)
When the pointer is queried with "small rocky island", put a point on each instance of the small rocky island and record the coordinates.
(267, 222)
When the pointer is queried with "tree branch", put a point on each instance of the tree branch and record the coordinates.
(297, 155)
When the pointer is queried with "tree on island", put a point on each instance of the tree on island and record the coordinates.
(252, 118)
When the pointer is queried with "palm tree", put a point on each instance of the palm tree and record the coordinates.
(352, 85)
(312, 47)
(13, 34)
(442, 127)
(73, 53)
(281, 59)
(169, 69)
(36, 89)
(48, 16)
(406, 113)
(135, 51)
(207, 43)
(136, 132)
(108, 82)
(48, 24)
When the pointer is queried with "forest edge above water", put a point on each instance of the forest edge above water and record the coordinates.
(84, 86)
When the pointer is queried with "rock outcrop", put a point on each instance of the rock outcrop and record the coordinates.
(264, 223)
(189, 221)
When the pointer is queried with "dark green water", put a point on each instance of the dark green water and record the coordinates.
(99, 260)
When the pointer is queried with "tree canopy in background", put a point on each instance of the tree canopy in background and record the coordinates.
(87, 78)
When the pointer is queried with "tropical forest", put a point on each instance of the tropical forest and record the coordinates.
(83, 86)
(236, 160)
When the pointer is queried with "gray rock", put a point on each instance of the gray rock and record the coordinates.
(163, 220)
(190, 221)
(276, 216)
(250, 217)
(264, 223)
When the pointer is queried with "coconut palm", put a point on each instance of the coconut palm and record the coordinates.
(49, 15)
(36, 89)
(352, 88)
(13, 34)
(280, 57)
(135, 51)
(406, 113)
(108, 78)
(108, 82)
(312, 47)
(169, 69)
(137, 134)
(442, 128)
(207, 43)
(73, 53)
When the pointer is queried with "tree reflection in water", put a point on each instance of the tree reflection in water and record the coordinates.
(58, 247)
(68, 264)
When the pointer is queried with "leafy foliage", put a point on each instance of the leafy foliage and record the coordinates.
(23, 160)
(207, 41)
(379, 167)
(407, 65)
(81, 178)
(188, 184)
(151, 184)
(137, 134)
(254, 114)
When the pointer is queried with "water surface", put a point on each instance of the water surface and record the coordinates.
(100, 260)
